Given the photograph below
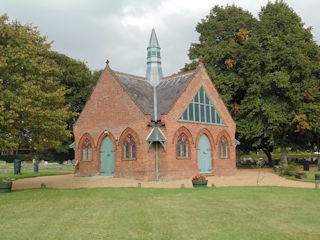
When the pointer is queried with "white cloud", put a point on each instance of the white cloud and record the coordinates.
(94, 30)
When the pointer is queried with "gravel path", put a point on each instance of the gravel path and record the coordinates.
(247, 177)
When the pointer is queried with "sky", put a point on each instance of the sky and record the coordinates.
(93, 31)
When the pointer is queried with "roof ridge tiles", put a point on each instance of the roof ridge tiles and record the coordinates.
(178, 74)
(130, 75)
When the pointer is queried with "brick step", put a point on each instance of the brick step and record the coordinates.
(208, 174)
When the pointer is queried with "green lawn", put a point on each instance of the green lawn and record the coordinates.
(31, 174)
(139, 213)
(6, 170)
(310, 174)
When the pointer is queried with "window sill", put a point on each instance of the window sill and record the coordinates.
(129, 159)
(86, 160)
(183, 158)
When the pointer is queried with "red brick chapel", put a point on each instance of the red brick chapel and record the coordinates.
(155, 127)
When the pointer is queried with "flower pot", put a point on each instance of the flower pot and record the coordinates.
(199, 183)
(5, 187)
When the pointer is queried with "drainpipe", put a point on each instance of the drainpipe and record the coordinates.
(157, 163)
(155, 111)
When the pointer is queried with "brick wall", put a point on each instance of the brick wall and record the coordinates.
(111, 112)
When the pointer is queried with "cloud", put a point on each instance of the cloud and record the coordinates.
(95, 30)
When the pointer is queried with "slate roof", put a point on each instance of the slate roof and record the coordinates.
(168, 91)
(139, 89)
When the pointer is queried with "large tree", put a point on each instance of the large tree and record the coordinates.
(33, 110)
(267, 71)
(77, 78)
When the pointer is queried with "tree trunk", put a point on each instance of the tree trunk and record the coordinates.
(318, 159)
(270, 161)
(284, 159)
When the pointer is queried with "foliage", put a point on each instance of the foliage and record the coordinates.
(11, 158)
(290, 168)
(33, 110)
(95, 76)
(54, 155)
(5, 180)
(267, 71)
(222, 213)
(76, 77)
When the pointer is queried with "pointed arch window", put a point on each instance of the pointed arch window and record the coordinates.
(129, 148)
(87, 151)
(182, 146)
(223, 148)
(201, 110)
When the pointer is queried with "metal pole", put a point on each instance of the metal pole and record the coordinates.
(157, 164)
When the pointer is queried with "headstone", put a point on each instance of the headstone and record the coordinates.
(65, 162)
(3, 162)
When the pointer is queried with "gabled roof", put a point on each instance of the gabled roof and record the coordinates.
(141, 91)
(170, 89)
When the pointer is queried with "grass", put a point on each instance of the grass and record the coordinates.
(310, 174)
(139, 213)
(31, 174)
(278, 155)
(6, 170)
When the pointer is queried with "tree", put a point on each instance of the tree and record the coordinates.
(95, 76)
(33, 110)
(266, 70)
(77, 78)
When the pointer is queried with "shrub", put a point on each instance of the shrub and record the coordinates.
(291, 167)
(11, 158)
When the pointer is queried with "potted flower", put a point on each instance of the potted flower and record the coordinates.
(199, 181)
(5, 185)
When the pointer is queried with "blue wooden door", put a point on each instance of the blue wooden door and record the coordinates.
(107, 157)
(204, 155)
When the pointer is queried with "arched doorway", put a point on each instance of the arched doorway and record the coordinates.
(204, 155)
(107, 157)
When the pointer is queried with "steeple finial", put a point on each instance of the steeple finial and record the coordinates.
(154, 70)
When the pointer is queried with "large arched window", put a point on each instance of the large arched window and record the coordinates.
(129, 148)
(86, 151)
(182, 147)
(223, 147)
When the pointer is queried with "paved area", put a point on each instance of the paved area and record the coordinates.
(246, 177)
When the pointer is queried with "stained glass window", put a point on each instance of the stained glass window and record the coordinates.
(223, 148)
(129, 149)
(182, 147)
(87, 151)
